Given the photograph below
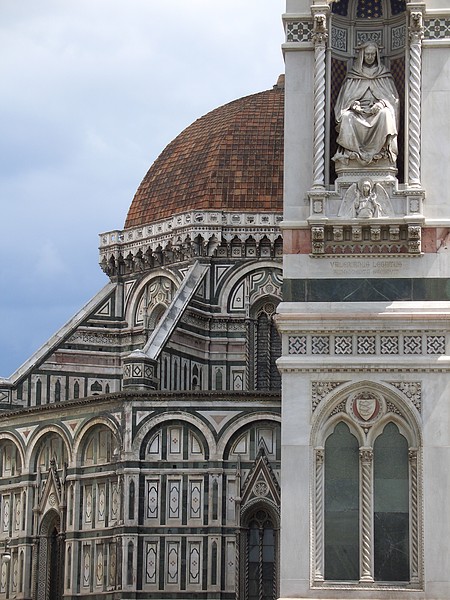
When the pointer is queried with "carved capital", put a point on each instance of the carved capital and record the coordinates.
(318, 233)
(320, 24)
(366, 455)
(412, 454)
(320, 456)
(415, 26)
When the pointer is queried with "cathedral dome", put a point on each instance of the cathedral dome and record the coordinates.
(231, 159)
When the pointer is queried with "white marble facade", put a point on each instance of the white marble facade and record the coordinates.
(365, 317)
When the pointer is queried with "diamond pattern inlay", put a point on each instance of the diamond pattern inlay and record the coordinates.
(343, 344)
(412, 344)
(389, 344)
(320, 344)
(435, 344)
(297, 344)
(366, 344)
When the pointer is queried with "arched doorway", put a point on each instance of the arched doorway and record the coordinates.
(50, 568)
(259, 554)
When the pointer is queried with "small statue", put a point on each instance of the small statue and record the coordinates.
(367, 111)
(365, 200)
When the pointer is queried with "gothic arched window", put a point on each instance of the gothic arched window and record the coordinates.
(260, 555)
(266, 343)
(367, 491)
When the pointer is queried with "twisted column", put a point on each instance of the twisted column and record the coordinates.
(260, 570)
(414, 96)
(366, 458)
(414, 558)
(319, 516)
(319, 38)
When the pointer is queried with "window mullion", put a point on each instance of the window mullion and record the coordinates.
(366, 511)
(319, 515)
(414, 516)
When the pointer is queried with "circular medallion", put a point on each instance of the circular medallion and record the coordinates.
(366, 407)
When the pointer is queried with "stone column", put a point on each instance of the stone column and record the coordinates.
(414, 95)
(319, 516)
(414, 517)
(366, 458)
(319, 38)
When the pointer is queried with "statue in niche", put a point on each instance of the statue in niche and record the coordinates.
(367, 111)
(365, 200)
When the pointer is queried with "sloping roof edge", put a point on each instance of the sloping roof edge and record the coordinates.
(51, 344)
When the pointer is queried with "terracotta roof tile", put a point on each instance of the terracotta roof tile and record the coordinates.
(230, 159)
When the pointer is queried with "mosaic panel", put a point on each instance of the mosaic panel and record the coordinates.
(389, 344)
(195, 503)
(398, 37)
(152, 499)
(173, 559)
(343, 344)
(194, 562)
(397, 7)
(174, 499)
(435, 344)
(297, 344)
(320, 344)
(340, 7)
(361, 345)
(436, 29)
(299, 32)
(369, 9)
(364, 36)
(366, 344)
(151, 561)
(339, 38)
(412, 344)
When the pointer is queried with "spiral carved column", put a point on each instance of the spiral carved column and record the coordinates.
(319, 37)
(366, 457)
(414, 96)
(414, 559)
(319, 516)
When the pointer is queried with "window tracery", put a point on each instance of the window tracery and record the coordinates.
(367, 491)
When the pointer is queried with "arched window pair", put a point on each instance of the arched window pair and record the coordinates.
(366, 507)
(265, 348)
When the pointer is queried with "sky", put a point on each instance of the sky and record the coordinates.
(92, 92)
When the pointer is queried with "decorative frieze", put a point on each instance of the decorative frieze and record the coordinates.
(190, 235)
(437, 28)
(366, 344)
(412, 390)
(94, 338)
(321, 389)
(370, 238)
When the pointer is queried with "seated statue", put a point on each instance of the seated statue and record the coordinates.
(367, 111)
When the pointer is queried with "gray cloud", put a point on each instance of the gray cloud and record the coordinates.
(92, 91)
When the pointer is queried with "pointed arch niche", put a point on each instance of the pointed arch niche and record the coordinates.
(366, 490)
(353, 22)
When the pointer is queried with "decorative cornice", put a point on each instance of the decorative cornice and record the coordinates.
(188, 235)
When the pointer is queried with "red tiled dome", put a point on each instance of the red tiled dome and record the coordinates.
(230, 159)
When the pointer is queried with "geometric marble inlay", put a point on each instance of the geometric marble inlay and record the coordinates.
(297, 344)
